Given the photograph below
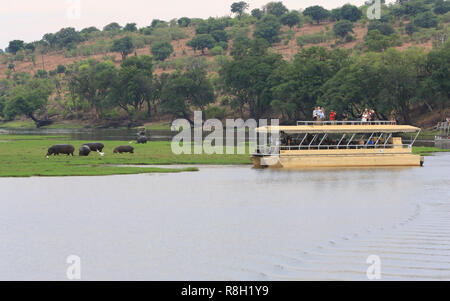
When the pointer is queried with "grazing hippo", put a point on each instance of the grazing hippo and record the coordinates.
(95, 147)
(124, 149)
(66, 149)
(142, 140)
(84, 151)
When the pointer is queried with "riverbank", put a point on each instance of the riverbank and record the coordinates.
(24, 156)
(28, 124)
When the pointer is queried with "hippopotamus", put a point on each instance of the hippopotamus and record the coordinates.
(66, 149)
(124, 149)
(142, 140)
(95, 147)
(84, 151)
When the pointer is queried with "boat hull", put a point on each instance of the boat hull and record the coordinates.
(339, 158)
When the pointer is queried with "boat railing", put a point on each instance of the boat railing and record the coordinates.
(273, 150)
(375, 122)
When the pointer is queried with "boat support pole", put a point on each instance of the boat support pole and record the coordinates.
(351, 139)
(414, 141)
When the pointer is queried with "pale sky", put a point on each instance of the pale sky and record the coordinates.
(29, 20)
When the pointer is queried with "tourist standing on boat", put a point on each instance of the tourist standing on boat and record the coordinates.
(322, 114)
(332, 115)
(316, 114)
(365, 116)
(393, 117)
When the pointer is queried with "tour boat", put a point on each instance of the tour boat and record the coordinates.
(312, 144)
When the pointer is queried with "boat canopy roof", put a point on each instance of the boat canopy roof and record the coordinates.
(340, 129)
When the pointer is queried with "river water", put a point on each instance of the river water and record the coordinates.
(230, 223)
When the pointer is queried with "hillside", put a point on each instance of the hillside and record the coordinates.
(60, 62)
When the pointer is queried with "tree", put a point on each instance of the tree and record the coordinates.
(15, 46)
(375, 41)
(257, 13)
(291, 19)
(112, 27)
(276, 8)
(130, 27)
(202, 42)
(268, 28)
(162, 50)
(239, 8)
(410, 28)
(318, 13)
(134, 84)
(67, 37)
(426, 20)
(124, 46)
(335, 14)
(184, 22)
(350, 12)
(190, 89)
(384, 28)
(300, 83)
(29, 100)
(246, 77)
(220, 35)
(441, 7)
(342, 28)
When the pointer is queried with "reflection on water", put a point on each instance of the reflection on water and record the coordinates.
(230, 223)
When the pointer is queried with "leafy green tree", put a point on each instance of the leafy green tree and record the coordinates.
(220, 35)
(246, 77)
(202, 42)
(134, 84)
(437, 83)
(112, 27)
(441, 7)
(257, 13)
(426, 20)
(184, 22)
(300, 83)
(290, 19)
(410, 28)
(89, 30)
(190, 89)
(350, 12)
(342, 28)
(124, 46)
(130, 27)
(15, 46)
(317, 13)
(29, 100)
(162, 50)
(276, 8)
(92, 81)
(268, 28)
(66, 37)
(383, 27)
(157, 23)
(375, 41)
(239, 8)
(335, 14)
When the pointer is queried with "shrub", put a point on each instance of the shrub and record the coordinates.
(217, 50)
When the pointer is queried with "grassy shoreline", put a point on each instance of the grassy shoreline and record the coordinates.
(24, 156)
